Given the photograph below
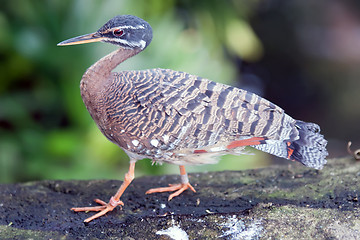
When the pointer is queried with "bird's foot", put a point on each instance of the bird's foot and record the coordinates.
(179, 188)
(102, 210)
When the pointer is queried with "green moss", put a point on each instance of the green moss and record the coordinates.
(8, 232)
(292, 222)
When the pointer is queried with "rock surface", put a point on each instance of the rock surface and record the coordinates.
(281, 202)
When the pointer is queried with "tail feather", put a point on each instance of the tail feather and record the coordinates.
(309, 148)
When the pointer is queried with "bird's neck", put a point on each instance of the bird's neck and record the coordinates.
(99, 76)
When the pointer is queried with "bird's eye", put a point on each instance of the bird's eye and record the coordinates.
(118, 32)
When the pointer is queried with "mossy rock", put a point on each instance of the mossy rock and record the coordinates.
(280, 202)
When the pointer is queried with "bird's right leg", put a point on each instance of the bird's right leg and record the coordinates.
(176, 188)
(114, 200)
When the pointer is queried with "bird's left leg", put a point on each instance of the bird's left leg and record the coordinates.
(179, 188)
(114, 200)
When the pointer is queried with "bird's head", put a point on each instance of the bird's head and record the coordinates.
(126, 31)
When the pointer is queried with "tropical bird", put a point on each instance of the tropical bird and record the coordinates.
(179, 118)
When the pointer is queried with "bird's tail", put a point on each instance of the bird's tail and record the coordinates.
(309, 148)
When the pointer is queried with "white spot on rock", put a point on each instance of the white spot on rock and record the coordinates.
(174, 232)
(154, 142)
(162, 205)
(135, 142)
(238, 229)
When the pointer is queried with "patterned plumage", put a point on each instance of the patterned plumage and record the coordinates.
(182, 119)
(175, 117)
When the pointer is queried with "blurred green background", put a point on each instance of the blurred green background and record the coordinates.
(302, 55)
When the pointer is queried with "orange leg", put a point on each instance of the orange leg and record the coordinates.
(114, 200)
(179, 188)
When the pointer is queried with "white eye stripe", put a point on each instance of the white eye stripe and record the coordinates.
(141, 44)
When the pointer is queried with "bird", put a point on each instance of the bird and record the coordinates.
(177, 118)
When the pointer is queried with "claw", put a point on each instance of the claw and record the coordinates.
(114, 200)
(179, 188)
(102, 210)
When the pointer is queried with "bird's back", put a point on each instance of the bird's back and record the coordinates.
(161, 113)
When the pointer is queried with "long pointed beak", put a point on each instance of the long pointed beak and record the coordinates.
(87, 38)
